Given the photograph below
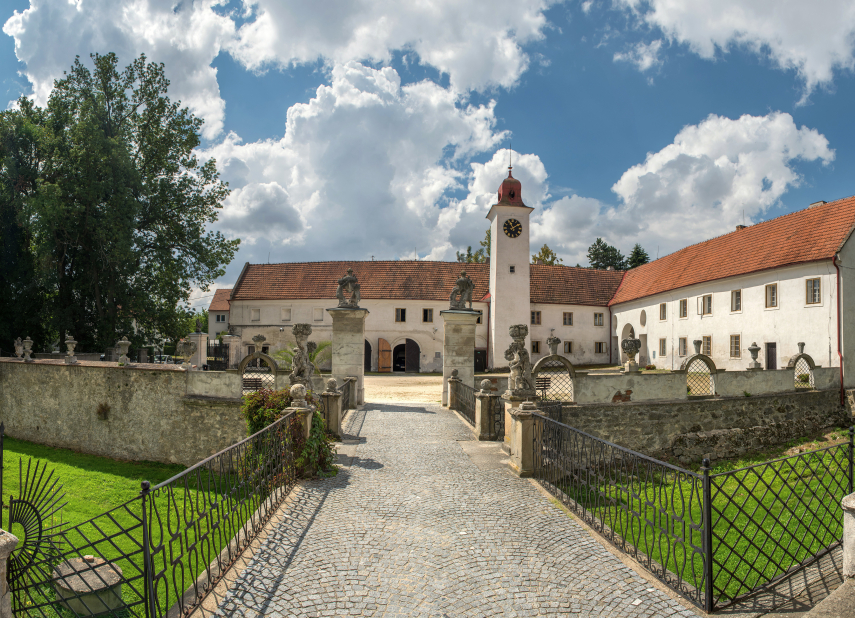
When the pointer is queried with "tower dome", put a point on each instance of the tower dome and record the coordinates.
(510, 191)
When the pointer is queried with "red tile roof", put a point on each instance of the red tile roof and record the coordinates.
(816, 233)
(220, 302)
(417, 280)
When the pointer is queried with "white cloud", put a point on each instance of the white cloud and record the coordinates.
(812, 38)
(478, 44)
(186, 37)
(643, 55)
(364, 167)
(700, 185)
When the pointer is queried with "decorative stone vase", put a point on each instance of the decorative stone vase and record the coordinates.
(70, 343)
(258, 340)
(454, 374)
(123, 344)
(801, 345)
(631, 348)
(187, 349)
(486, 386)
(298, 396)
(28, 349)
(19, 348)
(332, 386)
(697, 343)
(518, 331)
(552, 342)
(754, 350)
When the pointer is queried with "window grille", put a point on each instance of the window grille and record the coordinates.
(535, 347)
(699, 380)
(803, 374)
(735, 346)
(663, 311)
(427, 315)
(568, 347)
(599, 347)
(400, 315)
(706, 345)
(598, 319)
(535, 317)
(736, 300)
(663, 347)
(683, 346)
(772, 295)
(684, 308)
(814, 296)
(568, 318)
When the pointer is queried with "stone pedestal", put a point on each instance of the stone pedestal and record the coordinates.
(332, 404)
(458, 347)
(522, 440)
(304, 415)
(510, 403)
(235, 356)
(630, 366)
(200, 357)
(8, 542)
(487, 404)
(348, 347)
(848, 504)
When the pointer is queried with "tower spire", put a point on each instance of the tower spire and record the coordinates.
(510, 159)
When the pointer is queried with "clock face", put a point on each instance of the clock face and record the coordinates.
(512, 228)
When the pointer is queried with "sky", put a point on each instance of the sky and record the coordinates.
(360, 129)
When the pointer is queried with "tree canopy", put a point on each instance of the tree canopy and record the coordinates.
(546, 256)
(110, 207)
(601, 255)
(637, 257)
(478, 257)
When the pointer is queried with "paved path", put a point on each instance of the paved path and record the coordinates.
(416, 527)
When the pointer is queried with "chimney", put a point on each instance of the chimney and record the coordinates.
(819, 203)
(610, 268)
(741, 227)
(538, 261)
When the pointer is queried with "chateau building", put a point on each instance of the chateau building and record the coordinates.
(776, 284)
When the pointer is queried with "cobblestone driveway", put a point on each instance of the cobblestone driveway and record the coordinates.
(414, 528)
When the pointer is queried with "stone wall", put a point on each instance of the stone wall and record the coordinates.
(142, 412)
(717, 428)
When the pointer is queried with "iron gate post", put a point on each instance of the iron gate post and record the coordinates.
(148, 575)
(707, 537)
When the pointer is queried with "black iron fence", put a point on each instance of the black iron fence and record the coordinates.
(462, 397)
(163, 551)
(713, 538)
(346, 396)
(218, 356)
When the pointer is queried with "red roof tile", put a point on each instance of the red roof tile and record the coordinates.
(816, 233)
(418, 280)
(220, 302)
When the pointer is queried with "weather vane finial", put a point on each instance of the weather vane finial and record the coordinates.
(510, 158)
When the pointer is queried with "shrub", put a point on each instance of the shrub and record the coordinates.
(317, 454)
(264, 407)
(650, 367)
(804, 377)
(746, 393)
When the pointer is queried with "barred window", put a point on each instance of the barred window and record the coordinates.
(400, 315)
(600, 346)
(736, 300)
(706, 345)
(684, 308)
(535, 317)
(663, 311)
(598, 319)
(735, 346)
(814, 296)
(568, 318)
(772, 295)
(683, 346)
(568, 347)
(663, 347)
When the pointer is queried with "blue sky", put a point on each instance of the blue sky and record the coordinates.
(352, 129)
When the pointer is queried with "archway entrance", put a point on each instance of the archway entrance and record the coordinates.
(367, 363)
(406, 356)
(257, 371)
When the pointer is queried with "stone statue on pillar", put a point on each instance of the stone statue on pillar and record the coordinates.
(301, 368)
(347, 292)
(519, 361)
(462, 292)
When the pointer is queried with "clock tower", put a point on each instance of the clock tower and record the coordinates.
(510, 287)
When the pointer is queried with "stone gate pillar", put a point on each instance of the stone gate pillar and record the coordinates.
(200, 356)
(348, 347)
(458, 347)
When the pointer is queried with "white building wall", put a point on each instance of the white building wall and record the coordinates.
(791, 322)
(214, 327)
(583, 333)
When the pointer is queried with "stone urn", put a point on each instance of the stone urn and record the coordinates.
(187, 349)
(754, 350)
(19, 348)
(631, 348)
(122, 345)
(697, 343)
(801, 345)
(518, 331)
(70, 343)
(486, 386)
(298, 396)
(28, 349)
(332, 386)
(552, 343)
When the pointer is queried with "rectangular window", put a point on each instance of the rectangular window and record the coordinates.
(568, 318)
(684, 308)
(735, 346)
(568, 347)
(706, 345)
(663, 348)
(400, 315)
(683, 346)
(535, 347)
(535, 317)
(220, 317)
(598, 319)
(318, 314)
(427, 315)
(736, 300)
(772, 295)
(599, 347)
(812, 292)
(706, 304)
(512, 269)
(255, 315)
(286, 314)
(663, 311)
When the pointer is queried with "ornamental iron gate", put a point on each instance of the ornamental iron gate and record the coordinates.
(257, 371)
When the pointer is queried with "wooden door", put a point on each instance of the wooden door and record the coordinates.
(384, 356)
(412, 356)
(771, 356)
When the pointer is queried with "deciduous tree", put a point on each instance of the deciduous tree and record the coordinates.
(546, 256)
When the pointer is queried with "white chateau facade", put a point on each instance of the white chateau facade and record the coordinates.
(776, 284)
